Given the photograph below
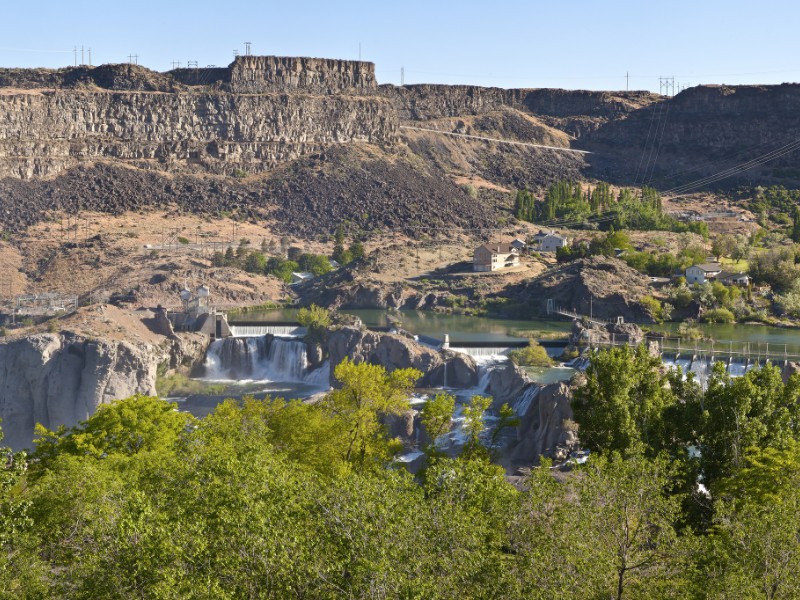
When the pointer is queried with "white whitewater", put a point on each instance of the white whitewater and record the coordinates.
(264, 358)
(484, 354)
(262, 330)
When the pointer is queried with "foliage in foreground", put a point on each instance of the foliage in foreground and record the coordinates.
(280, 499)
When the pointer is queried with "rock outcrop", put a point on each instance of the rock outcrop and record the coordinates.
(61, 379)
(394, 351)
(606, 288)
(45, 133)
(587, 334)
(546, 427)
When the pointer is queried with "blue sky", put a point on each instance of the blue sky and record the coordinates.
(576, 44)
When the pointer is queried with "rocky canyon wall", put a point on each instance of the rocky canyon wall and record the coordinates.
(44, 133)
(56, 379)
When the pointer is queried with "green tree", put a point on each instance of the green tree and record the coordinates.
(533, 355)
(796, 225)
(437, 417)
(137, 424)
(753, 547)
(367, 392)
(316, 320)
(314, 263)
(255, 263)
(356, 250)
(474, 426)
(756, 410)
(621, 406)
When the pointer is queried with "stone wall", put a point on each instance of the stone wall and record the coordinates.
(42, 134)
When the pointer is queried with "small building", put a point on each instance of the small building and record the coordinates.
(702, 273)
(729, 278)
(301, 277)
(548, 241)
(520, 245)
(491, 257)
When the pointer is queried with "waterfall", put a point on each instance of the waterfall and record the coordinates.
(261, 330)
(496, 354)
(524, 402)
(265, 358)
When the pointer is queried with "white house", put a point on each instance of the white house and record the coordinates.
(301, 277)
(491, 257)
(547, 241)
(728, 278)
(702, 273)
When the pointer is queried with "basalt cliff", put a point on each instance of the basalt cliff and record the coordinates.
(311, 143)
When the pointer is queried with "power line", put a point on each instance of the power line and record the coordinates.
(759, 160)
(660, 139)
(499, 141)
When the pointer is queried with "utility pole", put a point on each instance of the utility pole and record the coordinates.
(402, 75)
(192, 64)
(83, 62)
(90, 57)
(75, 55)
(247, 48)
(176, 64)
(359, 51)
(133, 59)
(627, 81)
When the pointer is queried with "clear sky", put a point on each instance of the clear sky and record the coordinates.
(576, 44)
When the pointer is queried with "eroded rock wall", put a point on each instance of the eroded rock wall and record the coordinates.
(260, 74)
(61, 379)
(42, 134)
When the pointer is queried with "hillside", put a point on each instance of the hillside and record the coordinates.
(307, 144)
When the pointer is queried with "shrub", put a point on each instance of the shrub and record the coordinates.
(690, 331)
(655, 308)
(533, 355)
(316, 320)
(183, 240)
(718, 315)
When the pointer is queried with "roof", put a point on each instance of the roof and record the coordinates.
(543, 236)
(709, 267)
(732, 275)
(498, 248)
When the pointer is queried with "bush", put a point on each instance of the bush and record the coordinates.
(316, 320)
(183, 240)
(531, 356)
(689, 331)
(653, 306)
(718, 315)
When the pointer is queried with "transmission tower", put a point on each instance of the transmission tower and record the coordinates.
(666, 86)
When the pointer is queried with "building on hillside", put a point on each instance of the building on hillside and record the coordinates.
(702, 273)
(729, 278)
(301, 277)
(491, 257)
(520, 245)
(548, 241)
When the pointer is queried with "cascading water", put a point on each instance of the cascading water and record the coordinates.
(265, 358)
(262, 330)
(484, 354)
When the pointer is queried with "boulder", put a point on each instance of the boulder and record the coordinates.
(506, 384)
(545, 428)
(389, 350)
